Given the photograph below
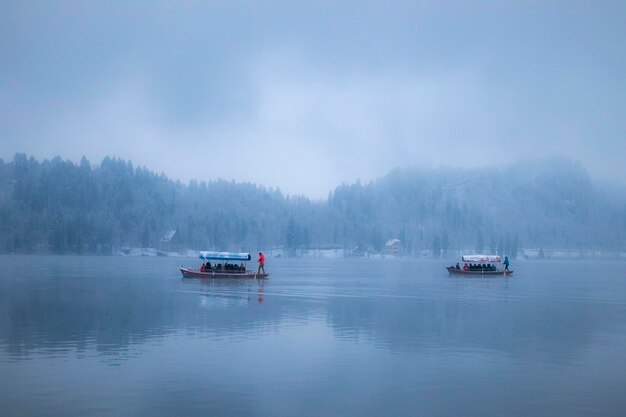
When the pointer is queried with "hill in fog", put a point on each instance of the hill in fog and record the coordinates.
(63, 207)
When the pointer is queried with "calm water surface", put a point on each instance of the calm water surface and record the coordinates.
(124, 336)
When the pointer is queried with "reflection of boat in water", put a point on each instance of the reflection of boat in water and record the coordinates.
(224, 291)
(225, 270)
(479, 265)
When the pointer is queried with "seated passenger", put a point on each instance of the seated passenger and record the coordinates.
(203, 268)
(457, 266)
(465, 267)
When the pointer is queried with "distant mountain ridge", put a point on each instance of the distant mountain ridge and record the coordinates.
(62, 207)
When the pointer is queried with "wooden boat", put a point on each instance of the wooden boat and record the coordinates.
(220, 271)
(480, 271)
(194, 273)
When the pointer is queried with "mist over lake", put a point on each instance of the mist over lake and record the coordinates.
(380, 156)
(358, 317)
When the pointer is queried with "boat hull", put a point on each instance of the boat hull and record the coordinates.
(500, 272)
(193, 273)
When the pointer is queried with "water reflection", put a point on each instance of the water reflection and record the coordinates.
(63, 306)
(223, 290)
(342, 337)
(513, 316)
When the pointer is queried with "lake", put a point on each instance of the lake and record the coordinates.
(127, 336)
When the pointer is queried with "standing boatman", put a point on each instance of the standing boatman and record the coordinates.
(506, 263)
(261, 262)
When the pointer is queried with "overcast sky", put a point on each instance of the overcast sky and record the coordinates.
(307, 95)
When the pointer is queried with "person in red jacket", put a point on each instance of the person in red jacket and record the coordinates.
(261, 263)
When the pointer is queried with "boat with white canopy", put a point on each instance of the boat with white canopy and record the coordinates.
(224, 265)
(479, 265)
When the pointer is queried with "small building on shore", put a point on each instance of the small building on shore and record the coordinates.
(394, 247)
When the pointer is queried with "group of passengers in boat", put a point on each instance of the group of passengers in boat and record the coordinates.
(207, 267)
(478, 267)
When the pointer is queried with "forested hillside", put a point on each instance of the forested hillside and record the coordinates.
(61, 207)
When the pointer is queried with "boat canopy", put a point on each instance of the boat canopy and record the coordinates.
(481, 258)
(224, 256)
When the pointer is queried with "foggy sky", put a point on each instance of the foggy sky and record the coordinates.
(307, 95)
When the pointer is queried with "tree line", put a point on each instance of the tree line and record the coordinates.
(58, 206)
